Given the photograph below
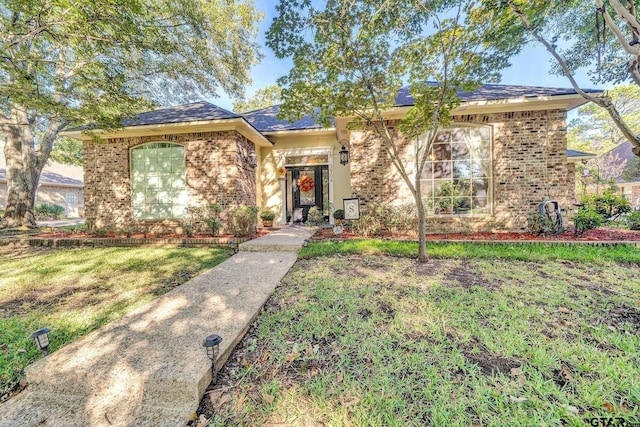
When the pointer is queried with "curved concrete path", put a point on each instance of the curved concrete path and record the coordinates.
(149, 368)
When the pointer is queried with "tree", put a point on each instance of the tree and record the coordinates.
(610, 42)
(66, 63)
(594, 131)
(263, 98)
(67, 150)
(351, 58)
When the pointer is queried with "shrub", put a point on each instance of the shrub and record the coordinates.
(367, 225)
(586, 219)
(338, 214)
(609, 205)
(381, 218)
(633, 220)
(314, 216)
(538, 224)
(243, 220)
(47, 211)
(200, 218)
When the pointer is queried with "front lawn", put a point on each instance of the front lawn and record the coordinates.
(75, 291)
(467, 339)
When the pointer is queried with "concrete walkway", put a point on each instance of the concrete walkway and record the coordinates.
(149, 368)
(61, 222)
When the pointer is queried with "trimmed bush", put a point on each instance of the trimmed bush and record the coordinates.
(243, 220)
(586, 219)
(633, 220)
(200, 218)
(338, 214)
(609, 205)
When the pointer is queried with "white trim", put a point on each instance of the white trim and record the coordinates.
(321, 131)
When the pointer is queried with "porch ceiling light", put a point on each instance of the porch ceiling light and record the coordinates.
(344, 153)
(41, 338)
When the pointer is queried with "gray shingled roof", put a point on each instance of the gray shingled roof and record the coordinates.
(491, 92)
(266, 120)
(49, 178)
(198, 111)
(576, 153)
(618, 155)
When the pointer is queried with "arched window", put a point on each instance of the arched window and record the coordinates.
(457, 178)
(158, 183)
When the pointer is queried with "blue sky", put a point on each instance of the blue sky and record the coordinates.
(530, 68)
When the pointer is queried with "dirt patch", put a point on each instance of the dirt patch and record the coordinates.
(617, 317)
(490, 363)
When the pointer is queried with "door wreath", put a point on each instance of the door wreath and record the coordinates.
(305, 183)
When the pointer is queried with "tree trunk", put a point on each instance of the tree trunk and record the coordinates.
(23, 172)
(422, 222)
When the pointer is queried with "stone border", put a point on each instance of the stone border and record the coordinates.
(596, 243)
(124, 242)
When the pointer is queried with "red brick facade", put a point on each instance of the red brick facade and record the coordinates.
(529, 165)
(217, 171)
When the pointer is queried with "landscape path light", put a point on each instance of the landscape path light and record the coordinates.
(41, 338)
(212, 344)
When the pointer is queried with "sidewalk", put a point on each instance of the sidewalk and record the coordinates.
(61, 222)
(149, 368)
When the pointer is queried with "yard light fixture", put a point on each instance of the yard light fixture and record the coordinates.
(305, 243)
(212, 344)
(41, 338)
(344, 153)
(233, 245)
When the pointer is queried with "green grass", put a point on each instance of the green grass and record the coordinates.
(75, 291)
(476, 336)
(525, 251)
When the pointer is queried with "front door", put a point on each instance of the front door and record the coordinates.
(308, 186)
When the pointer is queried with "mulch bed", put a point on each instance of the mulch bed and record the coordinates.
(600, 234)
(70, 235)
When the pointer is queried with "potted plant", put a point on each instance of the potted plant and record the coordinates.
(267, 215)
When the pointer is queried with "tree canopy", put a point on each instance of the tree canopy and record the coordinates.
(263, 98)
(594, 131)
(97, 61)
(601, 35)
(351, 58)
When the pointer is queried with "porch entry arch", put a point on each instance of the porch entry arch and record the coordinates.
(313, 169)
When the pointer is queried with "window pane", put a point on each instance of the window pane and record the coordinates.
(158, 181)
(461, 170)
(457, 180)
(442, 152)
(442, 170)
(460, 151)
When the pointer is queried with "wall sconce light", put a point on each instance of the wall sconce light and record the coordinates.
(252, 158)
(212, 344)
(344, 153)
(41, 338)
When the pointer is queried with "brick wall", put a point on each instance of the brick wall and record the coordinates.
(529, 165)
(216, 172)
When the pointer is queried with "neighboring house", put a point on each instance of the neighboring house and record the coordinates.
(504, 154)
(59, 184)
(618, 159)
